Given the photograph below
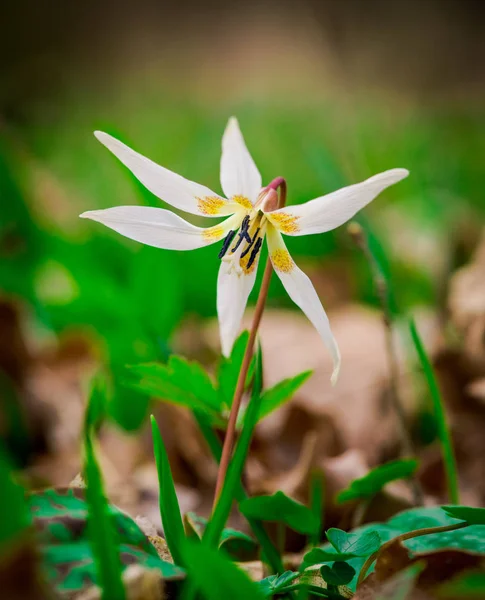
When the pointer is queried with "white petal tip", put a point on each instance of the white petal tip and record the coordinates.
(90, 214)
(399, 174)
(335, 374)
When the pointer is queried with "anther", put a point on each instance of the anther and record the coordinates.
(227, 242)
(243, 233)
(254, 253)
(248, 248)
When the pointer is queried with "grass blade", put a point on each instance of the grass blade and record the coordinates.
(102, 533)
(233, 478)
(317, 500)
(440, 415)
(173, 527)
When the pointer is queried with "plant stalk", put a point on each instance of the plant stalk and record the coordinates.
(230, 436)
(401, 538)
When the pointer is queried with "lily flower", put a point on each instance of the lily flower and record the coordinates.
(252, 215)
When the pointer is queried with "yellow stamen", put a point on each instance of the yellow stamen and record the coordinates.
(243, 263)
(210, 205)
(243, 201)
(285, 222)
(213, 233)
(282, 260)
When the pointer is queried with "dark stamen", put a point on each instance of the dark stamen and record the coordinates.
(251, 244)
(243, 233)
(227, 242)
(254, 253)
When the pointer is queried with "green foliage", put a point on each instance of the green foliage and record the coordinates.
(179, 381)
(101, 530)
(236, 544)
(440, 416)
(15, 519)
(470, 539)
(340, 573)
(228, 371)
(472, 515)
(280, 393)
(317, 499)
(60, 517)
(216, 576)
(230, 489)
(377, 478)
(277, 584)
(281, 509)
(169, 507)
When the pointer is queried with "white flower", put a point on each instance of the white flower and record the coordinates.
(251, 217)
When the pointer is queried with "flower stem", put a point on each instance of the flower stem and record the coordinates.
(401, 538)
(238, 394)
(382, 291)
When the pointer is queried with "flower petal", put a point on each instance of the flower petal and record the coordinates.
(300, 289)
(159, 227)
(174, 189)
(234, 284)
(240, 177)
(331, 211)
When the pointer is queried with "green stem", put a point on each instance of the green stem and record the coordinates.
(401, 538)
(440, 415)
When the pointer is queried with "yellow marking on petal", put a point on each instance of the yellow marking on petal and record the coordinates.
(215, 233)
(211, 205)
(243, 201)
(243, 263)
(284, 222)
(282, 260)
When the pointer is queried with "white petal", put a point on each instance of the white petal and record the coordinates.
(300, 289)
(159, 227)
(234, 284)
(331, 211)
(168, 186)
(239, 174)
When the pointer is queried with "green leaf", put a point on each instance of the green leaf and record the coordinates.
(229, 368)
(356, 545)
(236, 544)
(15, 518)
(230, 489)
(181, 382)
(440, 416)
(376, 479)
(280, 393)
(276, 584)
(103, 537)
(270, 554)
(173, 527)
(216, 576)
(340, 573)
(281, 509)
(344, 547)
(473, 516)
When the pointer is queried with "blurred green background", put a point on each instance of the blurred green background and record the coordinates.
(326, 93)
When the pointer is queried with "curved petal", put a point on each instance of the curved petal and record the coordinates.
(234, 284)
(240, 177)
(174, 189)
(331, 211)
(159, 227)
(300, 289)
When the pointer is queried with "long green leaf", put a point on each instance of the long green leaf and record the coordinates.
(233, 478)
(173, 527)
(274, 397)
(440, 415)
(217, 577)
(103, 537)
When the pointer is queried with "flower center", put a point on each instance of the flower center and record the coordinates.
(246, 242)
